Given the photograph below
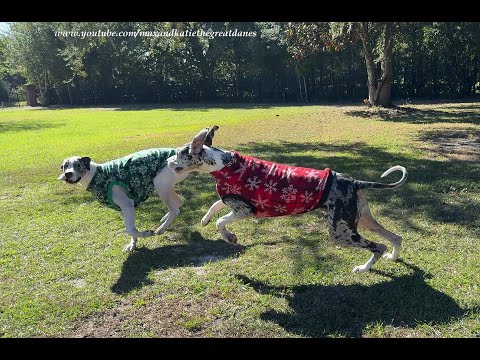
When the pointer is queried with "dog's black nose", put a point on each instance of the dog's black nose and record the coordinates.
(68, 175)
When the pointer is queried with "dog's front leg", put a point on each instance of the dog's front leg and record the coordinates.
(127, 207)
(231, 217)
(240, 210)
(216, 207)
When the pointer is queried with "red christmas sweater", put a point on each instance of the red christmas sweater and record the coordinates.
(273, 189)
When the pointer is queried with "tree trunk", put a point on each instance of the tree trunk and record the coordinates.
(299, 82)
(367, 50)
(305, 87)
(69, 94)
(384, 91)
(379, 93)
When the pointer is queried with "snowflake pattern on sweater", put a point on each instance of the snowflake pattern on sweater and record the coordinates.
(273, 189)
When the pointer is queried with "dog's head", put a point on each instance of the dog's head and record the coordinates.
(74, 168)
(195, 155)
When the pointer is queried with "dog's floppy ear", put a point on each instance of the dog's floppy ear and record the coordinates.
(197, 142)
(86, 161)
(209, 139)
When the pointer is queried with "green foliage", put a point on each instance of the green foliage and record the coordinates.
(307, 62)
(437, 60)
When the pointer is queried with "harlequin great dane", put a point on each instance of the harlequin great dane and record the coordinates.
(254, 187)
(126, 182)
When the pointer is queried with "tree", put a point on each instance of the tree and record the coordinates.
(35, 54)
(377, 40)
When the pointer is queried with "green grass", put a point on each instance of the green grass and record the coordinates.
(63, 272)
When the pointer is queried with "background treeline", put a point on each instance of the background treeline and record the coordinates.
(430, 60)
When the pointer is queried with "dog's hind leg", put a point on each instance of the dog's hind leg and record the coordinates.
(173, 203)
(343, 220)
(216, 207)
(367, 221)
(342, 233)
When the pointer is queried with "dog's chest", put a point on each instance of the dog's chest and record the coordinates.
(273, 189)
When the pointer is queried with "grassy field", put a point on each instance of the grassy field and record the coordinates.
(63, 272)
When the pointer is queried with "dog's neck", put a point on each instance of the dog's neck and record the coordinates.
(220, 157)
(85, 180)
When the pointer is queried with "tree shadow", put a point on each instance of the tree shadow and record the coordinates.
(197, 252)
(451, 114)
(26, 126)
(346, 310)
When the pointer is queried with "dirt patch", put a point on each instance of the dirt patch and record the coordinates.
(161, 317)
(384, 113)
(453, 144)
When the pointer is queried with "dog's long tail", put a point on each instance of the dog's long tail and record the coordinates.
(375, 185)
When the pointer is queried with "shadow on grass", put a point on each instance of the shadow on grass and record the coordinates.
(455, 114)
(346, 310)
(197, 252)
(26, 126)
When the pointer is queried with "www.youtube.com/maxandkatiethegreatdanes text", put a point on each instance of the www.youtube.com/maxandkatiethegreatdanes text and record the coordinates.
(164, 33)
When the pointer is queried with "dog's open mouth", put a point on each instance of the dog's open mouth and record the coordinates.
(178, 169)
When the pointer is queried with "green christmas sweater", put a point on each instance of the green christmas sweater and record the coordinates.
(134, 173)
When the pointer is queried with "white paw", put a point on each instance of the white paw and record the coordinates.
(360, 269)
(231, 238)
(205, 221)
(390, 256)
(129, 248)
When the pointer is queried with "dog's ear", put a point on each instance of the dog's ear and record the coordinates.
(86, 161)
(210, 134)
(197, 142)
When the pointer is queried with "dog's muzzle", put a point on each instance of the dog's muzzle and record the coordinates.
(67, 177)
(175, 167)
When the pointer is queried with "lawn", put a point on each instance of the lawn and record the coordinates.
(63, 272)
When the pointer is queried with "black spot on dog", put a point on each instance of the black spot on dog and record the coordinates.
(226, 157)
(239, 204)
(209, 160)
